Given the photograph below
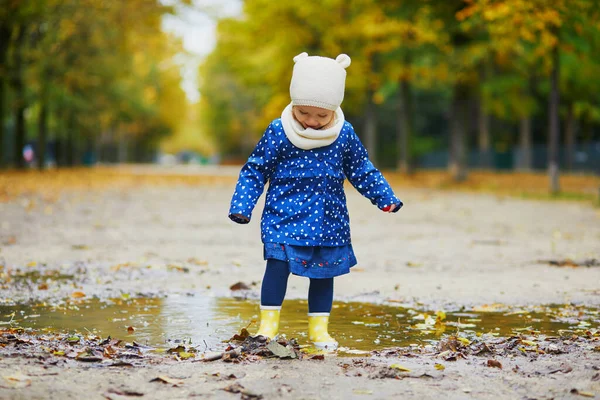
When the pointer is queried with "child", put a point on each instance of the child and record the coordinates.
(305, 156)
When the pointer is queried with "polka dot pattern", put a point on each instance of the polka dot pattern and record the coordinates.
(305, 203)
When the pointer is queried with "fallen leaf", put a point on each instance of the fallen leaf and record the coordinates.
(43, 286)
(280, 351)
(197, 262)
(88, 356)
(362, 391)
(439, 367)
(77, 295)
(400, 367)
(130, 329)
(241, 336)
(234, 388)
(584, 394)
(124, 392)
(246, 394)
(73, 339)
(494, 364)
(184, 355)
(239, 286)
(166, 379)
(17, 380)
(178, 349)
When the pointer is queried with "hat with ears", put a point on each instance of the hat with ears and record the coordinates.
(319, 81)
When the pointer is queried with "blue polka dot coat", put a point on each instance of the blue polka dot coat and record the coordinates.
(305, 203)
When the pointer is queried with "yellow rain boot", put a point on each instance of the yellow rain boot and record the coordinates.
(317, 332)
(269, 321)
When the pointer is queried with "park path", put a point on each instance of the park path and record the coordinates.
(442, 249)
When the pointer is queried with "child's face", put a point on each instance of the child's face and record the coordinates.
(313, 117)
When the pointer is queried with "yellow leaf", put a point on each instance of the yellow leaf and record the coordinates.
(586, 394)
(400, 367)
(529, 342)
(185, 355)
(32, 264)
(77, 295)
(464, 341)
(17, 380)
(439, 367)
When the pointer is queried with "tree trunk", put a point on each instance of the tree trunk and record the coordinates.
(3, 155)
(122, 149)
(404, 126)
(371, 128)
(483, 136)
(70, 145)
(570, 138)
(483, 127)
(19, 95)
(525, 163)
(554, 124)
(42, 128)
(4, 41)
(457, 161)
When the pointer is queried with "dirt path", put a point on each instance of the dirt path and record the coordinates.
(443, 250)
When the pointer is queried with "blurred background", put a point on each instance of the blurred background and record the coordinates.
(505, 85)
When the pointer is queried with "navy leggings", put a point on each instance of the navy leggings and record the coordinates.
(274, 285)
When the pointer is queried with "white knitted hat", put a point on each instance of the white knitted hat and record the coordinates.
(319, 81)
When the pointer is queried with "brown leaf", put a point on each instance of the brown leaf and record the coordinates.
(239, 286)
(77, 295)
(16, 381)
(237, 388)
(243, 335)
(178, 349)
(494, 364)
(166, 379)
(87, 357)
(125, 392)
(234, 388)
(130, 329)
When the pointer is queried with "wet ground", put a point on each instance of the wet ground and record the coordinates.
(453, 280)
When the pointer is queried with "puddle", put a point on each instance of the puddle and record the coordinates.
(205, 322)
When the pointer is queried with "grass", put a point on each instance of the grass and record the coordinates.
(574, 187)
(50, 184)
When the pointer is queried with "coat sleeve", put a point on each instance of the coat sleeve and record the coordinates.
(253, 177)
(363, 175)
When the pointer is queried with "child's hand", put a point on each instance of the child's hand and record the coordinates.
(239, 218)
(390, 208)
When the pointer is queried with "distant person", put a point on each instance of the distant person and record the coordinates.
(305, 156)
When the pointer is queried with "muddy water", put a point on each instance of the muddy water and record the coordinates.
(206, 322)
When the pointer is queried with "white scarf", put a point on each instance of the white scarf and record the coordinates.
(308, 138)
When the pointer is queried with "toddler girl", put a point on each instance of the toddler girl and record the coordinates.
(305, 156)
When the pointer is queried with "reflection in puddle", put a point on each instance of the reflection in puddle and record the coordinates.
(205, 322)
